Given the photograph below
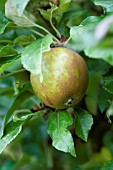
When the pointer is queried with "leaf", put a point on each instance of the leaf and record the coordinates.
(2, 4)
(51, 13)
(108, 81)
(23, 116)
(20, 5)
(109, 111)
(105, 4)
(24, 40)
(11, 131)
(20, 98)
(109, 9)
(45, 14)
(64, 5)
(11, 12)
(3, 22)
(104, 25)
(6, 62)
(57, 129)
(103, 99)
(91, 99)
(91, 20)
(108, 165)
(81, 36)
(32, 55)
(83, 123)
(74, 18)
(104, 50)
(7, 51)
(68, 18)
(97, 65)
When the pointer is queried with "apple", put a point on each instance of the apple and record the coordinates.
(65, 78)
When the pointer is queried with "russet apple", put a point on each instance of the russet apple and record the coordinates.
(65, 78)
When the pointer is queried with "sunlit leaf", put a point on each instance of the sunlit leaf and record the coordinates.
(105, 4)
(104, 50)
(19, 5)
(11, 12)
(81, 36)
(32, 55)
(103, 27)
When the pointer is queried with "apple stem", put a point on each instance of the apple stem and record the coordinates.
(42, 28)
(54, 28)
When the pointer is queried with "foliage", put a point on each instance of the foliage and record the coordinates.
(28, 128)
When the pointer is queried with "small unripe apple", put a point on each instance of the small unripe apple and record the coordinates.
(65, 78)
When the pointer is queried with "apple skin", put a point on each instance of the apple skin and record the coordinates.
(65, 78)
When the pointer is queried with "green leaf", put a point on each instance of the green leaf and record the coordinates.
(45, 14)
(105, 4)
(11, 12)
(20, 98)
(24, 94)
(92, 92)
(81, 36)
(109, 9)
(24, 40)
(22, 116)
(57, 129)
(97, 65)
(104, 50)
(91, 20)
(2, 4)
(32, 55)
(20, 5)
(69, 19)
(74, 18)
(51, 13)
(108, 81)
(3, 22)
(7, 51)
(64, 5)
(108, 165)
(109, 111)
(83, 123)
(103, 99)
(55, 10)
(6, 62)
(11, 131)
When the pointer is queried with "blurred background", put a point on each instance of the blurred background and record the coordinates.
(32, 149)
